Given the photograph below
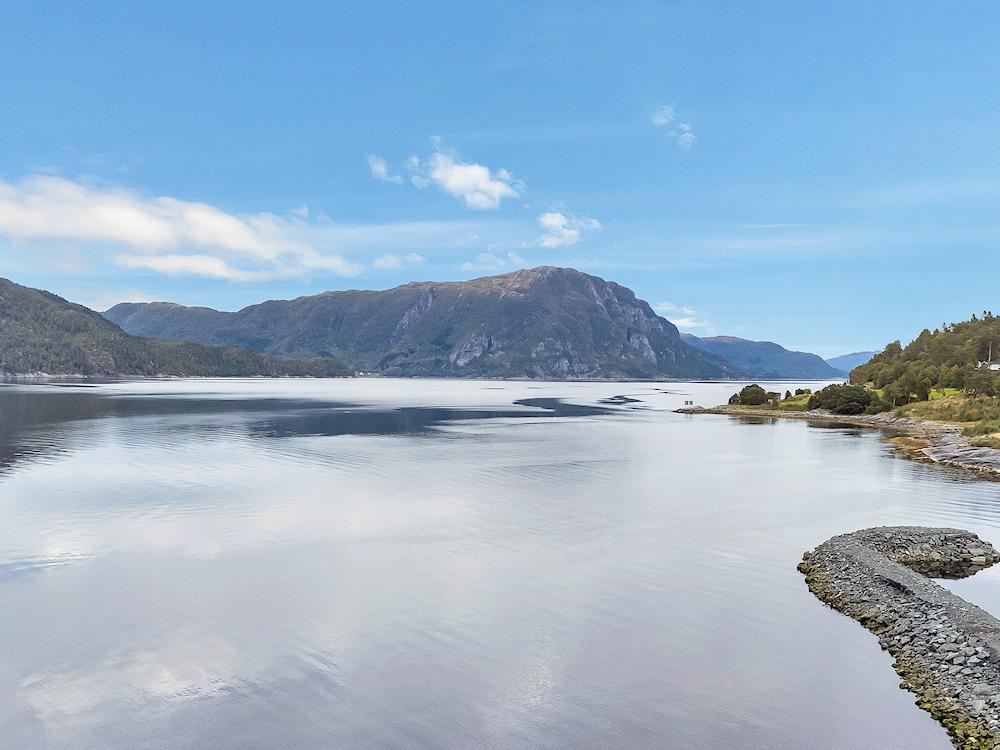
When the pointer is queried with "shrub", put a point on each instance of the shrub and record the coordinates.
(842, 399)
(751, 395)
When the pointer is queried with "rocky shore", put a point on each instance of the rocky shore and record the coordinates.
(937, 442)
(947, 651)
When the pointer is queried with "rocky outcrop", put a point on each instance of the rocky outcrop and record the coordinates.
(947, 651)
(935, 442)
(412, 315)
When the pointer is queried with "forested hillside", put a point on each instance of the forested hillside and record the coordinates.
(936, 360)
(43, 333)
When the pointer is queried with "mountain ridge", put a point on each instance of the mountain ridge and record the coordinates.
(545, 322)
(764, 359)
(847, 362)
(42, 333)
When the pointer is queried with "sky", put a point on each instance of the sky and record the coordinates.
(826, 176)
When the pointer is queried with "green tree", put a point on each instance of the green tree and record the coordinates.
(980, 383)
(842, 399)
(752, 395)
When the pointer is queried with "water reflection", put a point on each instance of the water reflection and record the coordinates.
(440, 564)
(33, 421)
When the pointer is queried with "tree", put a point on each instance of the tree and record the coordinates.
(752, 395)
(980, 383)
(842, 399)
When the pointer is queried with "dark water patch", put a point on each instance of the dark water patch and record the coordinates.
(405, 420)
(35, 423)
(621, 399)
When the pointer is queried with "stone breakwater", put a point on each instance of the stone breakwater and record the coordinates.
(947, 651)
(937, 442)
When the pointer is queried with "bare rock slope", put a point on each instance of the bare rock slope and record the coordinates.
(544, 322)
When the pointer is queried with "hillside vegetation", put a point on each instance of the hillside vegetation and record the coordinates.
(943, 359)
(43, 333)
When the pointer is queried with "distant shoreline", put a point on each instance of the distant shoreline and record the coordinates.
(930, 442)
(6, 376)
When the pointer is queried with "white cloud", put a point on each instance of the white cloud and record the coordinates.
(478, 186)
(186, 265)
(475, 184)
(393, 261)
(380, 170)
(685, 318)
(562, 230)
(665, 120)
(683, 136)
(494, 261)
(663, 116)
(159, 233)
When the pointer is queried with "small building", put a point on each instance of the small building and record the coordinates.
(989, 364)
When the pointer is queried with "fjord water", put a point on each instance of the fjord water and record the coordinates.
(442, 564)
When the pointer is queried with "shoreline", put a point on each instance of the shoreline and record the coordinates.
(946, 650)
(930, 442)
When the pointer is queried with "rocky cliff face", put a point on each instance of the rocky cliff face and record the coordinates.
(541, 323)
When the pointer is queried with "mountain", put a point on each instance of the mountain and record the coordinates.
(764, 359)
(541, 323)
(847, 362)
(43, 333)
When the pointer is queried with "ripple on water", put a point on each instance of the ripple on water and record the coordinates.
(430, 564)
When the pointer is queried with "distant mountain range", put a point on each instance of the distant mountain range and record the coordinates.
(764, 359)
(43, 333)
(847, 362)
(541, 323)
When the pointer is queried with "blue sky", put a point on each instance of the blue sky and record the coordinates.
(824, 176)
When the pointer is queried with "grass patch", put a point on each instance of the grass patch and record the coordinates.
(954, 408)
(979, 417)
(936, 393)
(795, 403)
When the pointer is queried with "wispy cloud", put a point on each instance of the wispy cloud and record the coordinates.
(665, 120)
(380, 170)
(494, 260)
(393, 261)
(562, 230)
(685, 318)
(207, 266)
(476, 185)
(103, 299)
(927, 193)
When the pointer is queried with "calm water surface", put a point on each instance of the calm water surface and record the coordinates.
(441, 564)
